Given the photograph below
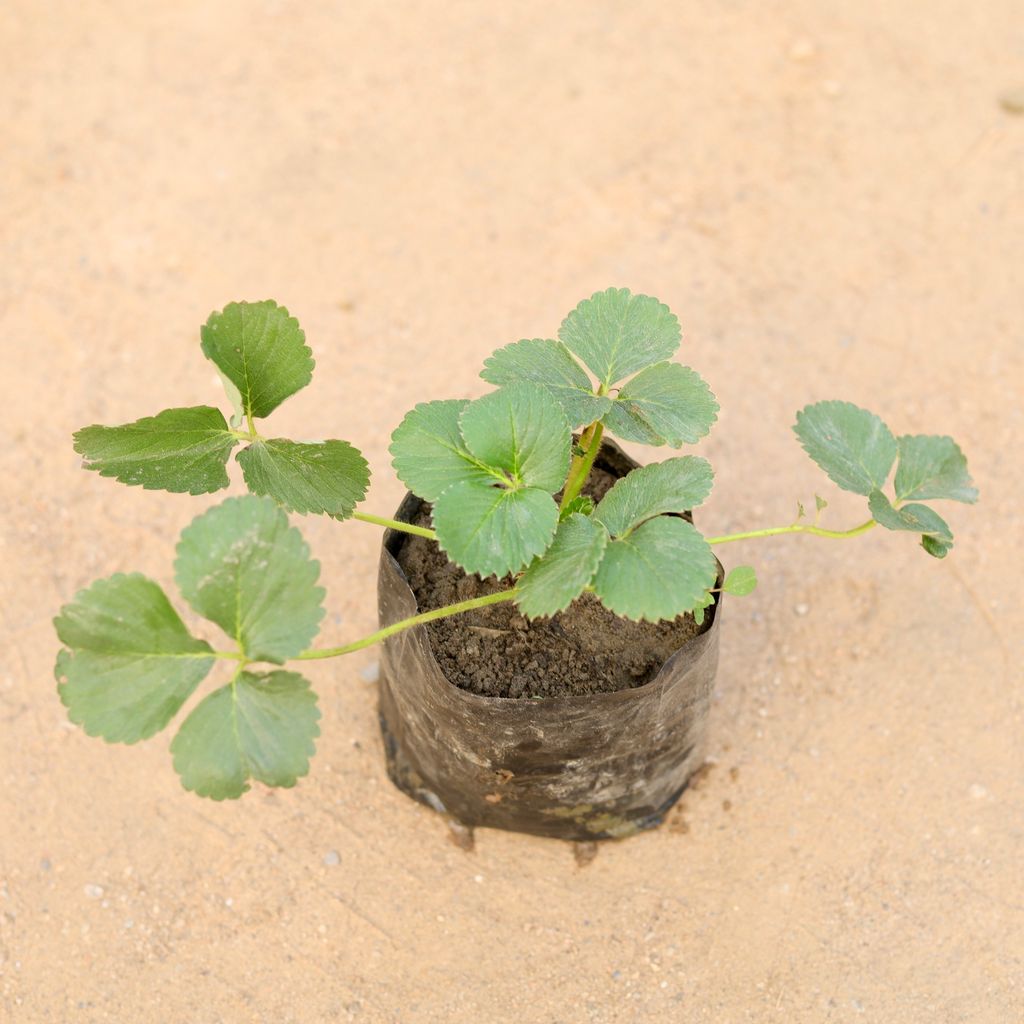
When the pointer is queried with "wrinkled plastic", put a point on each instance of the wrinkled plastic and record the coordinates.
(600, 766)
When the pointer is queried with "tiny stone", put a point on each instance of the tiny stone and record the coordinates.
(332, 858)
(830, 87)
(370, 673)
(978, 791)
(801, 609)
(45, 864)
(94, 892)
(1012, 101)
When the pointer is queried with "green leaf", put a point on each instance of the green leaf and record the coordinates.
(936, 546)
(558, 577)
(661, 570)
(853, 446)
(740, 581)
(914, 518)
(242, 566)
(326, 477)
(550, 364)
(582, 503)
(428, 452)
(665, 404)
(260, 727)
(932, 467)
(820, 503)
(129, 662)
(675, 485)
(261, 350)
(490, 530)
(179, 450)
(616, 333)
(705, 602)
(520, 431)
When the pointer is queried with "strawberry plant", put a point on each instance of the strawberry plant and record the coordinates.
(505, 475)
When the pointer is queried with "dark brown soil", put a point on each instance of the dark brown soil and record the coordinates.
(497, 652)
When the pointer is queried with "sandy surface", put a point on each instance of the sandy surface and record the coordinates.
(829, 195)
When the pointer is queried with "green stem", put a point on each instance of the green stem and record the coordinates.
(395, 524)
(774, 531)
(415, 620)
(590, 442)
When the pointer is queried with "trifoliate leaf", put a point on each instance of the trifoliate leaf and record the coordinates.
(261, 350)
(853, 446)
(428, 452)
(179, 450)
(665, 404)
(913, 517)
(129, 662)
(740, 581)
(242, 566)
(550, 364)
(260, 727)
(675, 485)
(520, 431)
(327, 477)
(932, 467)
(661, 570)
(490, 530)
(617, 333)
(557, 578)
(582, 503)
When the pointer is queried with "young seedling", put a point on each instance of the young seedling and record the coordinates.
(505, 478)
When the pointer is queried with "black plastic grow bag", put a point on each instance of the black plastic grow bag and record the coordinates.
(600, 766)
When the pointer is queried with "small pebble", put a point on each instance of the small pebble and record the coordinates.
(978, 791)
(94, 892)
(1012, 101)
(370, 673)
(332, 858)
(801, 609)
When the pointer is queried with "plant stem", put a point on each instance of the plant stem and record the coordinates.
(590, 442)
(774, 531)
(395, 524)
(415, 620)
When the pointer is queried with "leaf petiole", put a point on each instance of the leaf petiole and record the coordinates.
(774, 531)
(415, 620)
(395, 524)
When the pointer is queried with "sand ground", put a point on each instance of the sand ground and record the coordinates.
(828, 194)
